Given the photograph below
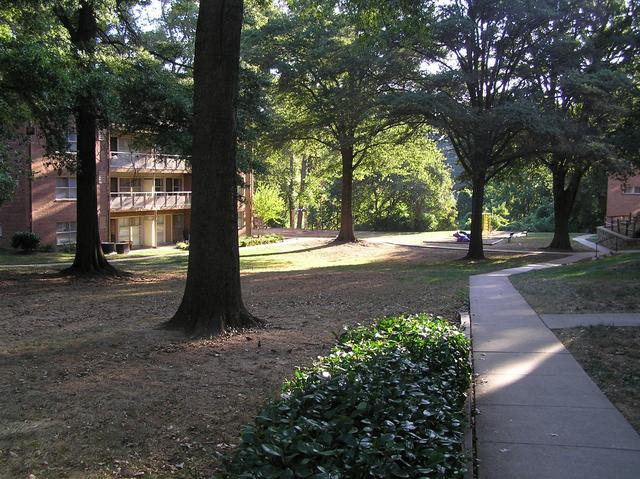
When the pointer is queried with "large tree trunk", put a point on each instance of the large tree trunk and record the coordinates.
(303, 178)
(212, 301)
(476, 251)
(290, 201)
(346, 234)
(564, 198)
(89, 258)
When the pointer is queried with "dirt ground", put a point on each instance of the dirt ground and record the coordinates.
(92, 387)
(611, 356)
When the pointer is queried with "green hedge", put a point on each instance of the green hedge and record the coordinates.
(258, 240)
(244, 241)
(387, 402)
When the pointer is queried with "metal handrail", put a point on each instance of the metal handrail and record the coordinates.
(147, 161)
(150, 200)
(627, 225)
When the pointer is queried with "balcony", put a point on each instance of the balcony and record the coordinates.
(150, 201)
(132, 162)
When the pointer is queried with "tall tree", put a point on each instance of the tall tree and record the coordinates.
(332, 78)
(81, 24)
(212, 301)
(470, 87)
(576, 72)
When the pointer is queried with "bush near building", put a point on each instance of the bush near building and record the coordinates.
(25, 240)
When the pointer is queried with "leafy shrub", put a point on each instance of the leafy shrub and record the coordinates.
(245, 241)
(541, 220)
(258, 240)
(268, 205)
(25, 240)
(386, 402)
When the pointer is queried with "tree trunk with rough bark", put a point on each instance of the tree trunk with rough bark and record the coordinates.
(212, 301)
(346, 234)
(565, 190)
(303, 178)
(89, 258)
(290, 201)
(476, 250)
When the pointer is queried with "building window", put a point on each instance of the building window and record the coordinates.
(72, 142)
(130, 185)
(66, 188)
(129, 230)
(113, 143)
(66, 233)
(174, 184)
(631, 190)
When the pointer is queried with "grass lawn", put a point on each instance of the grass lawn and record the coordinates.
(95, 388)
(610, 355)
(11, 257)
(609, 284)
(531, 242)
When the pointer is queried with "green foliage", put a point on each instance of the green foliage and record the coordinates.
(542, 220)
(258, 240)
(387, 402)
(25, 240)
(242, 242)
(404, 188)
(268, 205)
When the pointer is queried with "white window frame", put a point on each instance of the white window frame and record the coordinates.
(630, 190)
(68, 192)
(67, 234)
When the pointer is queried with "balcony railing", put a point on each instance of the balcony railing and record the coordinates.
(147, 200)
(134, 161)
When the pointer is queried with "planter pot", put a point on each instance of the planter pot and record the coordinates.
(122, 248)
(108, 248)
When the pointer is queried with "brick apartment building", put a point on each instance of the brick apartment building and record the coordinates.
(143, 198)
(623, 197)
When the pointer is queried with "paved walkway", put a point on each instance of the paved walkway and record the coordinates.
(540, 415)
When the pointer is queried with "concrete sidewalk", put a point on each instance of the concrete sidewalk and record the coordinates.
(540, 415)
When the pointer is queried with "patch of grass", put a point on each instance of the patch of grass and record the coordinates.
(611, 356)
(535, 241)
(606, 285)
(11, 257)
(441, 276)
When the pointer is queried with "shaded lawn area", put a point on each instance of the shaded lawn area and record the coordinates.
(608, 284)
(11, 257)
(610, 355)
(94, 388)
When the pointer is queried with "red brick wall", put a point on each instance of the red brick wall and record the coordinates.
(46, 210)
(14, 214)
(620, 204)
